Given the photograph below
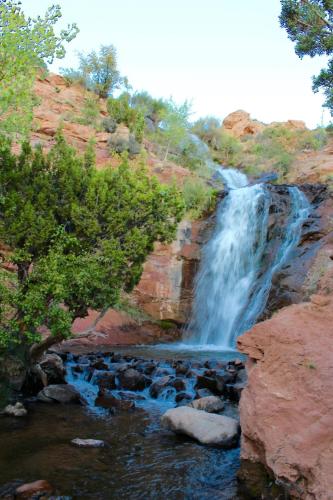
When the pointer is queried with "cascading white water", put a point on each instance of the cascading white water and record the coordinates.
(232, 287)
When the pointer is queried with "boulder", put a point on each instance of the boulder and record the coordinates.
(207, 428)
(178, 384)
(53, 367)
(88, 443)
(16, 410)
(106, 381)
(110, 402)
(157, 387)
(61, 393)
(132, 380)
(206, 383)
(286, 408)
(211, 404)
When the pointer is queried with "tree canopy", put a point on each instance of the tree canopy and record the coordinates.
(26, 45)
(78, 236)
(98, 71)
(309, 23)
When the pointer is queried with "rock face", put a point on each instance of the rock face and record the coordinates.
(286, 410)
(240, 124)
(305, 267)
(205, 427)
(165, 290)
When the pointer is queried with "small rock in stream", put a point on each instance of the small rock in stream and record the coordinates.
(88, 443)
(34, 490)
(211, 404)
(61, 393)
(16, 410)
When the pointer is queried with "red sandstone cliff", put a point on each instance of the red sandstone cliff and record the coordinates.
(287, 408)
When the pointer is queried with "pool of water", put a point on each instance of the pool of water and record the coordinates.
(141, 460)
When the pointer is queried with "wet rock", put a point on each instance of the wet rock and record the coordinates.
(106, 381)
(88, 443)
(53, 367)
(77, 369)
(34, 490)
(147, 367)
(211, 404)
(207, 428)
(110, 402)
(99, 365)
(234, 391)
(157, 387)
(182, 398)
(178, 384)
(206, 383)
(62, 393)
(181, 368)
(131, 396)
(160, 372)
(16, 410)
(133, 380)
(241, 376)
(203, 393)
(209, 373)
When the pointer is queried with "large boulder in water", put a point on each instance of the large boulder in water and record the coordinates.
(61, 393)
(132, 380)
(207, 428)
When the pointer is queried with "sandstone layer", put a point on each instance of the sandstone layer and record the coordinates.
(286, 410)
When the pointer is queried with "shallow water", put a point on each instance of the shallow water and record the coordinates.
(141, 460)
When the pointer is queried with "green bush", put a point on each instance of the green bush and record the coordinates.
(198, 197)
(79, 236)
(90, 113)
(121, 111)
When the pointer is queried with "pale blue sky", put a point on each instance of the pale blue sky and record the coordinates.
(220, 54)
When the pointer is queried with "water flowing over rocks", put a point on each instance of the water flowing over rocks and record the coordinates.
(286, 408)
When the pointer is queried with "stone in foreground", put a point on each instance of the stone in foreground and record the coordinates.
(210, 404)
(16, 410)
(34, 490)
(88, 443)
(61, 393)
(207, 428)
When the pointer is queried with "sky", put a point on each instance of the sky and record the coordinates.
(221, 55)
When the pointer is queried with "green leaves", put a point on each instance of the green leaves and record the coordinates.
(309, 23)
(79, 236)
(26, 45)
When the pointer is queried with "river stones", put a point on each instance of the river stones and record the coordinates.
(206, 383)
(157, 387)
(106, 380)
(16, 410)
(133, 380)
(211, 404)
(207, 428)
(61, 393)
(88, 443)
(34, 490)
(110, 402)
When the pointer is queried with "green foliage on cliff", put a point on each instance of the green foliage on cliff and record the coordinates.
(78, 236)
(121, 110)
(198, 196)
(309, 23)
(97, 71)
(26, 45)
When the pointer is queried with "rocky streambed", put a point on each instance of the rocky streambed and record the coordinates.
(119, 399)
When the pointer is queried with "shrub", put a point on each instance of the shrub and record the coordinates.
(198, 197)
(91, 111)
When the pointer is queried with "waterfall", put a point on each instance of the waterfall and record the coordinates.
(232, 284)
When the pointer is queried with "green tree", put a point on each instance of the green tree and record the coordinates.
(174, 127)
(309, 23)
(97, 71)
(78, 237)
(26, 46)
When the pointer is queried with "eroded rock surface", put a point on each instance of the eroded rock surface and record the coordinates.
(286, 410)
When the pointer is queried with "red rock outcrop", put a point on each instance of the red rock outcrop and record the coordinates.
(286, 409)
(239, 124)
